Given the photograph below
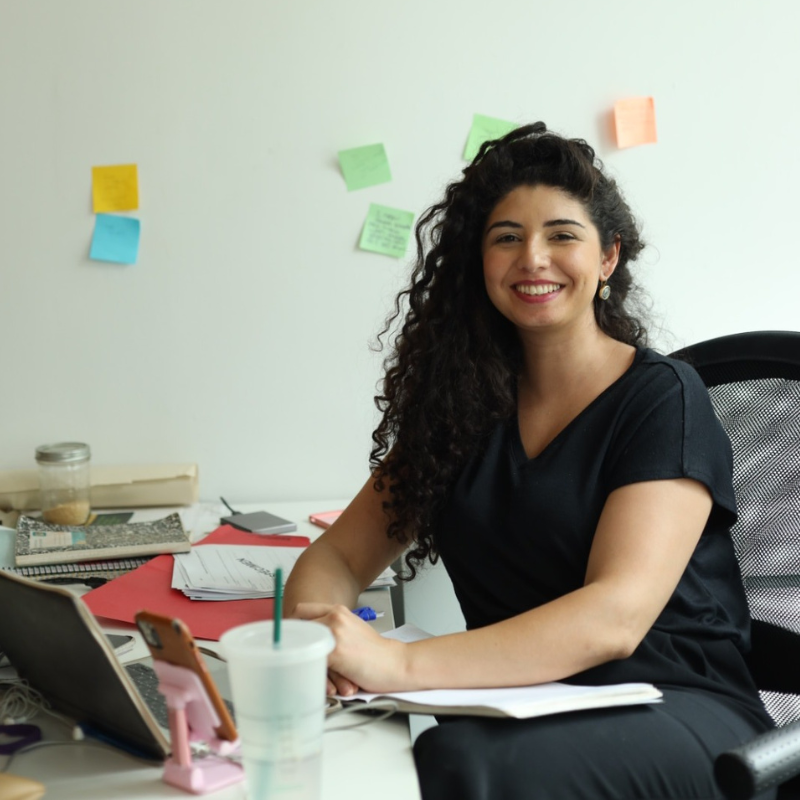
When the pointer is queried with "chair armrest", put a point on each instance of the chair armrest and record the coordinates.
(768, 760)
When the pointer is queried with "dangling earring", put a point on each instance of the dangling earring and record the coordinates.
(605, 290)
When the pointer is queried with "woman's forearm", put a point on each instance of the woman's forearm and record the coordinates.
(574, 633)
(320, 575)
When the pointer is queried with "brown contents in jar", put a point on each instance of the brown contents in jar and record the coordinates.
(75, 512)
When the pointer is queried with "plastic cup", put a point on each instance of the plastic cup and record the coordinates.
(279, 699)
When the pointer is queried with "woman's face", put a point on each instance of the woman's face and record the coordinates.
(542, 259)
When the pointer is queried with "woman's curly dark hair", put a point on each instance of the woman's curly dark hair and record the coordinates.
(451, 375)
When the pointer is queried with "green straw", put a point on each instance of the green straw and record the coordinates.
(278, 611)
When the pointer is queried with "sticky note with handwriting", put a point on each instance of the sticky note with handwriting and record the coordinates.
(386, 230)
(485, 129)
(116, 239)
(364, 166)
(635, 121)
(115, 188)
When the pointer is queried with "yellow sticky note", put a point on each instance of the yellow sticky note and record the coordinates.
(115, 188)
(635, 121)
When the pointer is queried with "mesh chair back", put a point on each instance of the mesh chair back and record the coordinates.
(753, 380)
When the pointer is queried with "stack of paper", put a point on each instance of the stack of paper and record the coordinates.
(231, 572)
(237, 572)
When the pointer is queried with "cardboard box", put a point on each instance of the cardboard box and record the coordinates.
(112, 486)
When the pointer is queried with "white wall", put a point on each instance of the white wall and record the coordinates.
(240, 339)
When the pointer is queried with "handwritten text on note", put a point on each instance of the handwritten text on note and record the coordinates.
(386, 230)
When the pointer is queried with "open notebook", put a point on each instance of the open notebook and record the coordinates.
(55, 643)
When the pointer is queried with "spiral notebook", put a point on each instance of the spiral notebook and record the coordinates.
(91, 569)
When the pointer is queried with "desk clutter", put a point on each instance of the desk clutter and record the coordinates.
(69, 627)
(151, 585)
(195, 741)
(225, 579)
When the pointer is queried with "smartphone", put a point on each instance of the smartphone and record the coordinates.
(170, 640)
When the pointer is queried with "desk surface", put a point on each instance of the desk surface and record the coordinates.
(364, 762)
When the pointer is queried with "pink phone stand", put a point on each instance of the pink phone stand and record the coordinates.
(192, 718)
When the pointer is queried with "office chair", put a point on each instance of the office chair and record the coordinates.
(754, 383)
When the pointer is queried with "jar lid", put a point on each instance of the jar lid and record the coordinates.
(62, 453)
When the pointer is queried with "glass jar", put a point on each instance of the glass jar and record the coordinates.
(64, 482)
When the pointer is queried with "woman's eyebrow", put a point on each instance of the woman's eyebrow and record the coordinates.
(552, 223)
(504, 223)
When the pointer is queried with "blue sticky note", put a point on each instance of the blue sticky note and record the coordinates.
(116, 239)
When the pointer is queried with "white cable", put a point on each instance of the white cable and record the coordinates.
(18, 703)
(21, 702)
(385, 707)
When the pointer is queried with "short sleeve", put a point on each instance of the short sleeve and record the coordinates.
(668, 429)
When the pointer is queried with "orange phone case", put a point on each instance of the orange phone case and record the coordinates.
(170, 640)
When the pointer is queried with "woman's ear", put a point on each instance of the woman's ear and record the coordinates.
(610, 259)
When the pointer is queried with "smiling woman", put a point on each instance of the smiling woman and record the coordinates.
(576, 484)
(457, 327)
(542, 259)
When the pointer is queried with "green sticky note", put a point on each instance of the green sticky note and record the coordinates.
(483, 130)
(386, 230)
(364, 166)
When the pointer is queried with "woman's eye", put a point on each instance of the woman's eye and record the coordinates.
(506, 237)
(563, 237)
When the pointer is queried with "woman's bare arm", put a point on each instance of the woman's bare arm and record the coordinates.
(347, 557)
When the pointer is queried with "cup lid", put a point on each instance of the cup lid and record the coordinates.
(62, 453)
(301, 640)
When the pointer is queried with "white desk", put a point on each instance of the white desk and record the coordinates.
(374, 760)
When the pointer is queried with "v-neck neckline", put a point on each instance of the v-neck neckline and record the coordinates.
(522, 456)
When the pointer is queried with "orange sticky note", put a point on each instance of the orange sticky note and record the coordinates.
(115, 188)
(635, 121)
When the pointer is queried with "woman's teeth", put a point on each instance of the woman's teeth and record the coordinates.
(544, 288)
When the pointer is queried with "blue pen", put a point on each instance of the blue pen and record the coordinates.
(366, 613)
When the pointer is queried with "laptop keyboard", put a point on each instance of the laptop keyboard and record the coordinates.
(146, 682)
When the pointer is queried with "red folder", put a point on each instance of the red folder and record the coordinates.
(150, 587)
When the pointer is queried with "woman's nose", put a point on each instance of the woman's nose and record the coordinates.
(534, 256)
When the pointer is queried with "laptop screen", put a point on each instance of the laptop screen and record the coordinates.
(55, 644)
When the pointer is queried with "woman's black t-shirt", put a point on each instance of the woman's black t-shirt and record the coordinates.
(517, 532)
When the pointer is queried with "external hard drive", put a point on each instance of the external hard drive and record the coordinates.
(260, 522)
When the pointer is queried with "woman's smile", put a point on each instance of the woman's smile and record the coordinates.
(537, 291)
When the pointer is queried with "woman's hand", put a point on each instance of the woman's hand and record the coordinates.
(362, 658)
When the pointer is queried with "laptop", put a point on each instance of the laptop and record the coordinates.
(55, 643)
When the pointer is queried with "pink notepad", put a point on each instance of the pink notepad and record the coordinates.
(325, 518)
